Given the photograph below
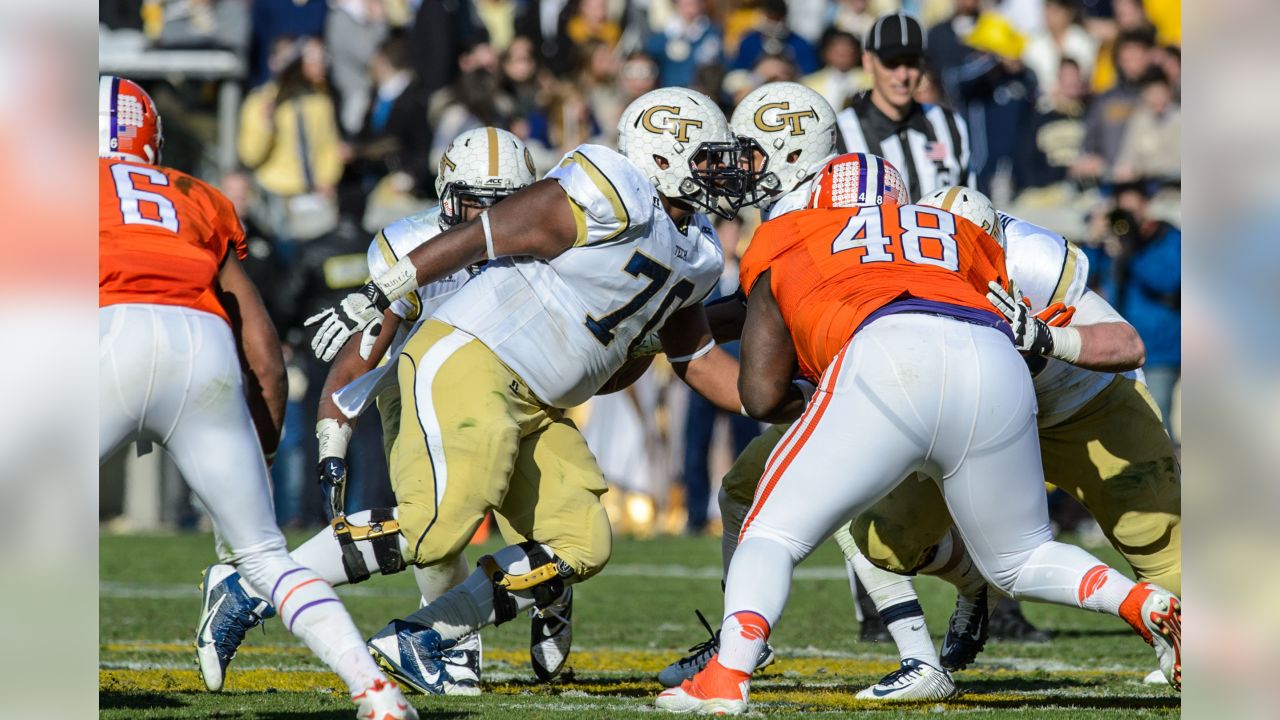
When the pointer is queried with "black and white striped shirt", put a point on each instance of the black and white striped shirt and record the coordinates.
(930, 147)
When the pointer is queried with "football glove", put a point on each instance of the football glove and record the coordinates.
(360, 311)
(1032, 335)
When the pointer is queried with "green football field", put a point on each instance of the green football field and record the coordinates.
(628, 623)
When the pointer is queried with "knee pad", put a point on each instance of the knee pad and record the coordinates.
(544, 582)
(383, 535)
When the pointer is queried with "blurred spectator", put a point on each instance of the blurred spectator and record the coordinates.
(1166, 16)
(998, 95)
(1026, 16)
(598, 80)
(473, 100)
(442, 32)
(929, 145)
(352, 32)
(289, 137)
(263, 266)
(841, 75)
(1152, 142)
(521, 79)
(1169, 59)
(1110, 112)
(639, 75)
(772, 36)
(206, 24)
(275, 19)
(1058, 130)
(591, 22)
(394, 142)
(774, 68)
(946, 48)
(857, 16)
(498, 17)
(1128, 18)
(566, 123)
(1062, 37)
(687, 42)
(1148, 281)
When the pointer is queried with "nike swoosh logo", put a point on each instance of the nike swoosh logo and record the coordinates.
(430, 677)
(915, 628)
(204, 627)
(879, 693)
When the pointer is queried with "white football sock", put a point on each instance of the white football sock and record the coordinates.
(1067, 575)
(323, 552)
(758, 583)
(742, 637)
(435, 580)
(899, 608)
(732, 514)
(310, 609)
(469, 606)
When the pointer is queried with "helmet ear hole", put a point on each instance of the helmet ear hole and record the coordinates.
(794, 156)
(661, 162)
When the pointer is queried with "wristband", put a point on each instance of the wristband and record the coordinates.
(1066, 343)
(400, 280)
(690, 358)
(488, 235)
(333, 437)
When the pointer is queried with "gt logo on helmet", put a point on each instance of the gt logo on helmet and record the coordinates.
(784, 120)
(670, 122)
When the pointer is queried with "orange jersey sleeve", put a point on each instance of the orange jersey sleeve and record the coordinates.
(831, 269)
(162, 236)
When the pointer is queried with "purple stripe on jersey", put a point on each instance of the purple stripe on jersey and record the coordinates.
(114, 117)
(970, 315)
(282, 577)
(313, 603)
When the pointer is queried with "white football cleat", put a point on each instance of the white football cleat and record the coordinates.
(913, 680)
(383, 701)
(551, 636)
(1162, 616)
(1155, 677)
(716, 690)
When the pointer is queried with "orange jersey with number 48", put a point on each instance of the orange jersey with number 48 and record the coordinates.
(833, 268)
(162, 236)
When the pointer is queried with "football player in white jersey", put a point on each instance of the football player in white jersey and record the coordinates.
(1101, 435)
(479, 168)
(788, 133)
(582, 266)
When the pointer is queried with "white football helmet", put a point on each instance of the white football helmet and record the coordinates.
(793, 127)
(968, 204)
(482, 165)
(668, 133)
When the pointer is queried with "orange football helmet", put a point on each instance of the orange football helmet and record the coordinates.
(128, 124)
(856, 179)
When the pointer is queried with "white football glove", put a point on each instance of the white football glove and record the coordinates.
(360, 311)
(1031, 334)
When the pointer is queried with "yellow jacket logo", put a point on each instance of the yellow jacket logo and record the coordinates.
(783, 120)
(661, 119)
(445, 162)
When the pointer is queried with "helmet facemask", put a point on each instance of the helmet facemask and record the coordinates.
(720, 185)
(458, 196)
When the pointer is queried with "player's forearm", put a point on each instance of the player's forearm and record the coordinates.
(1110, 347)
(726, 317)
(714, 376)
(349, 366)
(773, 402)
(262, 360)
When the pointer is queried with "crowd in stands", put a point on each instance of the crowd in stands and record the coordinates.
(1072, 107)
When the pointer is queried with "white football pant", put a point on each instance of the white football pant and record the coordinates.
(911, 392)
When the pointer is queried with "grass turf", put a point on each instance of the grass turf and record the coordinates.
(628, 623)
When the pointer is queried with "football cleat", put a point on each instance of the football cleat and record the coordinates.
(551, 636)
(966, 632)
(913, 680)
(699, 655)
(412, 654)
(714, 690)
(383, 701)
(230, 608)
(462, 666)
(1162, 616)
(1010, 625)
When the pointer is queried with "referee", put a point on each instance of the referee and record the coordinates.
(927, 144)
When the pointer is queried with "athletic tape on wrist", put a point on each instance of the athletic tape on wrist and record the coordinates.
(398, 281)
(488, 235)
(1066, 343)
(690, 358)
(333, 438)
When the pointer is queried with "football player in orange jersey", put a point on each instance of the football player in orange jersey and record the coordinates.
(885, 306)
(189, 359)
